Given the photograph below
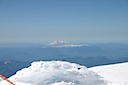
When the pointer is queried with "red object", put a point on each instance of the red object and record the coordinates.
(4, 78)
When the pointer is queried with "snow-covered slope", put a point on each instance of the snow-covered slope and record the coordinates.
(60, 44)
(117, 74)
(55, 73)
(65, 73)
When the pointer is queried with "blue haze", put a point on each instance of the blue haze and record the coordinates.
(36, 21)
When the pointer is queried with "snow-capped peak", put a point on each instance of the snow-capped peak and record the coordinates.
(60, 44)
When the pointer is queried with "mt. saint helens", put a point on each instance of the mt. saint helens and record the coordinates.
(64, 44)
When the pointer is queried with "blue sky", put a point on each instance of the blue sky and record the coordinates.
(37, 21)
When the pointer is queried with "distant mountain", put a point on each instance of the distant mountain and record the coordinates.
(116, 74)
(64, 44)
(48, 53)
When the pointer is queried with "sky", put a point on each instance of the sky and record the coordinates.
(37, 21)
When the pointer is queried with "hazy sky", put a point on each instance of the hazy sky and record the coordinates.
(95, 21)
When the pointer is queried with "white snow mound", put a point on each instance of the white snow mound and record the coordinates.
(55, 73)
(116, 74)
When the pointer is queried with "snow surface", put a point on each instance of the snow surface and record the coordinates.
(62, 44)
(55, 73)
(116, 74)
